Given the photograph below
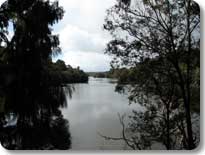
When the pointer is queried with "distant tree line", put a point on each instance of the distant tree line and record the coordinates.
(99, 74)
(66, 74)
(115, 73)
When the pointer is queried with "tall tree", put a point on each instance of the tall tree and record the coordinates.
(166, 30)
(31, 96)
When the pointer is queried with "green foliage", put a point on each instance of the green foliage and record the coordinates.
(32, 93)
(159, 46)
(67, 74)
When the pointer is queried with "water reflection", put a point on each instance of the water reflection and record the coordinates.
(40, 127)
(93, 109)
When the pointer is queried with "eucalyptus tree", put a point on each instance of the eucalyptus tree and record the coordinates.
(168, 31)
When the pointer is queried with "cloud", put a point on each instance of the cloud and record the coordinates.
(87, 61)
(85, 14)
(1, 1)
(84, 47)
(73, 38)
(82, 38)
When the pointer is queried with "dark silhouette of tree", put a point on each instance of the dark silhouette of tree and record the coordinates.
(161, 40)
(159, 96)
(31, 96)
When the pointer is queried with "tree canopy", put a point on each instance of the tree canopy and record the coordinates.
(30, 96)
(160, 41)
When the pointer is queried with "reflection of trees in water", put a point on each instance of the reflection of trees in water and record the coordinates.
(54, 135)
(28, 90)
(43, 128)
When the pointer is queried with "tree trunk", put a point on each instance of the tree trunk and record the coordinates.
(188, 101)
(168, 128)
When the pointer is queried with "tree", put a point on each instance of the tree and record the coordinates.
(31, 97)
(166, 30)
(61, 65)
(154, 88)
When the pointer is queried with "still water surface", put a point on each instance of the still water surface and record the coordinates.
(94, 109)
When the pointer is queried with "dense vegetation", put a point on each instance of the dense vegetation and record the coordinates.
(159, 43)
(31, 92)
(66, 74)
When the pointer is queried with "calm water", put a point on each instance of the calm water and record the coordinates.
(94, 109)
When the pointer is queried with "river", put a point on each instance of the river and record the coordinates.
(94, 109)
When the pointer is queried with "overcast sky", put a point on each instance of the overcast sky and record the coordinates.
(82, 38)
